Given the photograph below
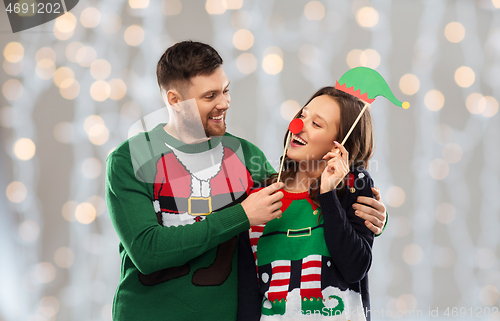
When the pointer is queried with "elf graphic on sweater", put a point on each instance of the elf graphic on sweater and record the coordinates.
(298, 273)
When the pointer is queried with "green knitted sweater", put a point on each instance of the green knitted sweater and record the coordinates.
(177, 262)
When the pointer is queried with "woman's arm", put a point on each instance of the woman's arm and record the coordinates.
(346, 236)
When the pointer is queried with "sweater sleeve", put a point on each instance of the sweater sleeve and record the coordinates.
(346, 235)
(151, 246)
(249, 297)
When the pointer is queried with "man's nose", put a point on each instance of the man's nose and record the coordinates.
(223, 103)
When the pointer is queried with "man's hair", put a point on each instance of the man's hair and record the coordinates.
(185, 60)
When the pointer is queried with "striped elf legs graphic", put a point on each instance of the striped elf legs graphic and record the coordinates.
(278, 288)
(310, 285)
(310, 280)
(255, 234)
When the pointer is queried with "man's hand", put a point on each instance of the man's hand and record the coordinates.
(265, 205)
(372, 211)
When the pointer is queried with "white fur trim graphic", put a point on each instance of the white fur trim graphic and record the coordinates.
(205, 165)
(353, 306)
(205, 188)
(199, 188)
(173, 219)
(202, 166)
(156, 204)
(195, 187)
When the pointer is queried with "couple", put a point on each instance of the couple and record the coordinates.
(183, 198)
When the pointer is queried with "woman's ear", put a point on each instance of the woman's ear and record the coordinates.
(335, 148)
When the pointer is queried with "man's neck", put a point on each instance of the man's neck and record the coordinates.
(183, 136)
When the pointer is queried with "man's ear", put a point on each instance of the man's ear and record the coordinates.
(172, 98)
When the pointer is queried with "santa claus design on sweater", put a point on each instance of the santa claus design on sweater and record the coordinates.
(187, 188)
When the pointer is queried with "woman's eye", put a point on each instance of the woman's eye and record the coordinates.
(315, 124)
(301, 116)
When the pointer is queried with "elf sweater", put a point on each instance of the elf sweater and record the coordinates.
(176, 210)
(309, 267)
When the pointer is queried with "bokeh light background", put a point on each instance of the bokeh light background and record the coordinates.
(73, 88)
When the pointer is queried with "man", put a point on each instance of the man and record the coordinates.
(177, 197)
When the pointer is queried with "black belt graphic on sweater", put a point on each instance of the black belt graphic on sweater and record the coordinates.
(294, 233)
(199, 205)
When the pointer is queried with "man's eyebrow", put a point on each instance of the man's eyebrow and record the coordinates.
(213, 90)
(209, 92)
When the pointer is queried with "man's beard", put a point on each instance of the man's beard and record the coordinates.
(214, 132)
(194, 127)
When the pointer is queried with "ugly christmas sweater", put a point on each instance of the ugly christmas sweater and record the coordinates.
(310, 265)
(175, 208)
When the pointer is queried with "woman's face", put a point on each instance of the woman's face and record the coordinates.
(321, 126)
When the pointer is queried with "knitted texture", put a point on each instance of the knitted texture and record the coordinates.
(178, 222)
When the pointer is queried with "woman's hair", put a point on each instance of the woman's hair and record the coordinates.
(359, 144)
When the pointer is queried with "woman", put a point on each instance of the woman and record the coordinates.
(313, 261)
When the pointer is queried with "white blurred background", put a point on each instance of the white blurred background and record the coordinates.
(72, 89)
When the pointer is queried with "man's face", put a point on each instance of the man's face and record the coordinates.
(211, 95)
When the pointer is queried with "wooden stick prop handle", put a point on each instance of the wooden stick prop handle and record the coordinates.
(294, 127)
(355, 122)
(284, 153)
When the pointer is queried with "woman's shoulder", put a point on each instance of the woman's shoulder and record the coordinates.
(360, 179)
(361, 173)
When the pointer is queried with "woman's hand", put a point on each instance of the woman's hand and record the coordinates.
(372, 210)
(336, 168)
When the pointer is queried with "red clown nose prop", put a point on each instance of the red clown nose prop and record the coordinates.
(296, 126)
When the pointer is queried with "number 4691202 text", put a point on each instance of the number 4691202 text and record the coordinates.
(32, 9)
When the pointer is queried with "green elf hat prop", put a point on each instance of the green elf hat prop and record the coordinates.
(366, 84)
